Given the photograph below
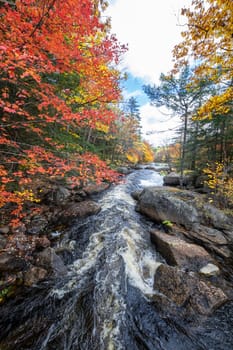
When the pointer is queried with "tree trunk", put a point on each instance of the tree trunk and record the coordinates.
(183, 148)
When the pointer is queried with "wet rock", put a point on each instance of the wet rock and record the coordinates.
(34, 275)
(136, 194)
(171, 204)
(95, 188)
(188, 291)
(78, 210)
(58, 196)
(210, 270)
(3, 242)
(124, 170)
(180, 253)
(11, 263)
(49, 260)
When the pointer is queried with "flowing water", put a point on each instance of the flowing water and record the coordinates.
(106, 300)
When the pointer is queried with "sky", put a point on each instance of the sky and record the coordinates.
(151, 28)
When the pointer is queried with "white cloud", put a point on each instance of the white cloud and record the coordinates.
(135, 93)
(157, 128)
(151, 30)
(150, 27)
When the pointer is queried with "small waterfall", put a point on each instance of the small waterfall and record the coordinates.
(106, 300)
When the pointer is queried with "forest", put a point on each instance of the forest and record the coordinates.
(61, 102)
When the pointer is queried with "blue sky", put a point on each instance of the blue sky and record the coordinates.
(151, 28)
(133, 88)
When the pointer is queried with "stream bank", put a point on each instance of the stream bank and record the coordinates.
(114, 292)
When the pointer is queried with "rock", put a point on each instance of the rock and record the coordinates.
(58, 196)
(49, 260)
(37, 225)
(182, 207)
(187, 290)
(136, 194)
(216, 217)
(214, 240)
(206, 298)
(210, 270)
(124, 170)
(34, 275)
(172, 179)
(42, 242)
(79, 196)
(208, 235)
(4, 230)
(11, 263)
(229, 235)
(200, 181)
(160, 204)
(78, 210)
(95, 188)
(178, 252)
(3, 242)
(18, 230)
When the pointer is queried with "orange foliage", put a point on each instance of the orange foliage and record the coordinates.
(42, 41)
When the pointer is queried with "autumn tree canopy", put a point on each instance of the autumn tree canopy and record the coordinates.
(57, 75)
(208, 40)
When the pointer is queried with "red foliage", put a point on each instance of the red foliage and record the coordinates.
(42, 39)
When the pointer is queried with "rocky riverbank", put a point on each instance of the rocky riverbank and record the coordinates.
(27, 252)
(196, 241)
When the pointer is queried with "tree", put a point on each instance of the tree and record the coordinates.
(132, 107)
(179, 96)
(208, 41)
(57, 77)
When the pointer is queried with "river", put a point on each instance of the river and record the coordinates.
(106, 300)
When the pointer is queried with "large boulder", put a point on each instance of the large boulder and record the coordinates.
(50, 261)
(187, 290)
(178, 252)
(160, 204)
(172, 179)
(78, 210)
(182, 207)
(95, 188)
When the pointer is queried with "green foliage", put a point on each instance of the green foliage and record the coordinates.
(167, 223)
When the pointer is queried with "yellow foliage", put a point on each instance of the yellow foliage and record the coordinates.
(27, 195)
(219, 182)
(148, 153)
(208, 40)
(102, 127)
(132, 156)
